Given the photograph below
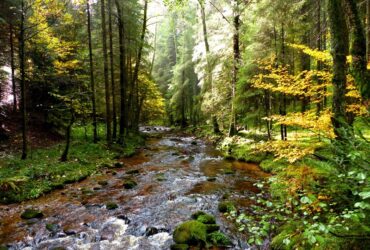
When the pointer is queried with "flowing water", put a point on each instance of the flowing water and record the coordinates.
(173, 182)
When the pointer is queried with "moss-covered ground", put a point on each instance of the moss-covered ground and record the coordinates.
(43, 172)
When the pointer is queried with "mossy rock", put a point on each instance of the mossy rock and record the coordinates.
(105, 165)
(129, 184)
(228, 171)
(5, 248)
(218, 239)
(178, 247)
(212, 228)
(111, 205)
(103, 183)
(197, 214)
(133, 171)
(226, 207)
(58, 248)
(191, 232)
(160, 177)
(206, 219)
(52, 227)
(118, 165)
(31, 213)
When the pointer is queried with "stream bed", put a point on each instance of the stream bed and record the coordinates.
(176, 175)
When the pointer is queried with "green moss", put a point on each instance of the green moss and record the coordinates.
(228, 171)
(219, 239)
(129, 184)
(191, 232)
(52, 227)
(160, 177)
(226, 207)
(197, 214)
(212, 228)
(31, 213)
(111, 205)
(206, 219)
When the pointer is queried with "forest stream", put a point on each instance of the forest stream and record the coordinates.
(176, 176)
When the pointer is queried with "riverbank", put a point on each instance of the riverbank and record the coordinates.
(317, 197)
(43, 172)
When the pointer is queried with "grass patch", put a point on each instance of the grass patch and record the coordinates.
(42, 172)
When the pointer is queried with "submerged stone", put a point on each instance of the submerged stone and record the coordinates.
(211, 179)
(52, 227)
(31, 213)
(102, 183)
(191, 232)
(133, 171)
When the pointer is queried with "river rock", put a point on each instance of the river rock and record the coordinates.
(102, 183)
(52, 227)
(129, 184)
(31, 213)
(111, 205)
(133, 171)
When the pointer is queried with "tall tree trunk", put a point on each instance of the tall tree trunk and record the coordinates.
(319, 47)
(339, 45)
(236, 50)
(92, 80)
(114, 112)
(368, 30)
(208, 78)
(283, 100)
(358, 49)
(138, 62)
(122, 74)
(23, 81)
(106, 78)
(12, 65)
(64, 156)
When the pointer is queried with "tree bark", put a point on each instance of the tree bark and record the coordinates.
(138, 62)
(23, 81)
(358, 49)
(208, 78)
(339, 47)
(114, 112)
(106, 78)
(12, 65)
(236, 49)
(64, 156)
(92, 80)
(368, 30)
(122, 74)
